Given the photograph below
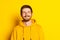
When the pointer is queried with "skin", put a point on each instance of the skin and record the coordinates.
(26, 15)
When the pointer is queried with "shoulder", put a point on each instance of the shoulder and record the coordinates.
(16, 27)
(39, 26)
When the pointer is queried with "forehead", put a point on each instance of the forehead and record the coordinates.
(26, 9)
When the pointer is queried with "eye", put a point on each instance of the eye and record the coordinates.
(23, 11)
(29, 12)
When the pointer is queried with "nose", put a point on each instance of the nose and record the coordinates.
(26, 13)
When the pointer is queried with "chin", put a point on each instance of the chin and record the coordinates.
(27, 19)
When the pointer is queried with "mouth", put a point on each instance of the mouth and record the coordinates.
(26, 16)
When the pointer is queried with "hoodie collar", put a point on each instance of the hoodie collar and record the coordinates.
(23, 25)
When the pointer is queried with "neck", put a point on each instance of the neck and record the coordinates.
(27, 23)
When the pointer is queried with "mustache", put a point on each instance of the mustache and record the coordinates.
(27, 16)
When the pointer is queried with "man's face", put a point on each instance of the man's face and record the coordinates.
(26, 14)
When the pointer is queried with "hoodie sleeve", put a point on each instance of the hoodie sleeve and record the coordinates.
(13, 35)
(41, 33)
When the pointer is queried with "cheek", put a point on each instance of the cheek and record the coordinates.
(23, 14)
(30, 14)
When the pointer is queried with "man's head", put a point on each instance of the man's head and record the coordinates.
(26, 12)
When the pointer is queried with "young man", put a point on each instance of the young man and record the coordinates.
(27, 29)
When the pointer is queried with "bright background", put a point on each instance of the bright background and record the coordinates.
(46, 13)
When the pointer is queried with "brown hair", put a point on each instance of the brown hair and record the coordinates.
(25, 6)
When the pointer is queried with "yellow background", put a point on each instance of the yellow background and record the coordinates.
(46, 13)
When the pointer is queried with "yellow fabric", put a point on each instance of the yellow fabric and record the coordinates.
(33, 32)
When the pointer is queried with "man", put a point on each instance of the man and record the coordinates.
(27, 29)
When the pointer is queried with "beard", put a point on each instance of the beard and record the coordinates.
(26, 19)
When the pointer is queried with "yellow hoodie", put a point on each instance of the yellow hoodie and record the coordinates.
(32, 32)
